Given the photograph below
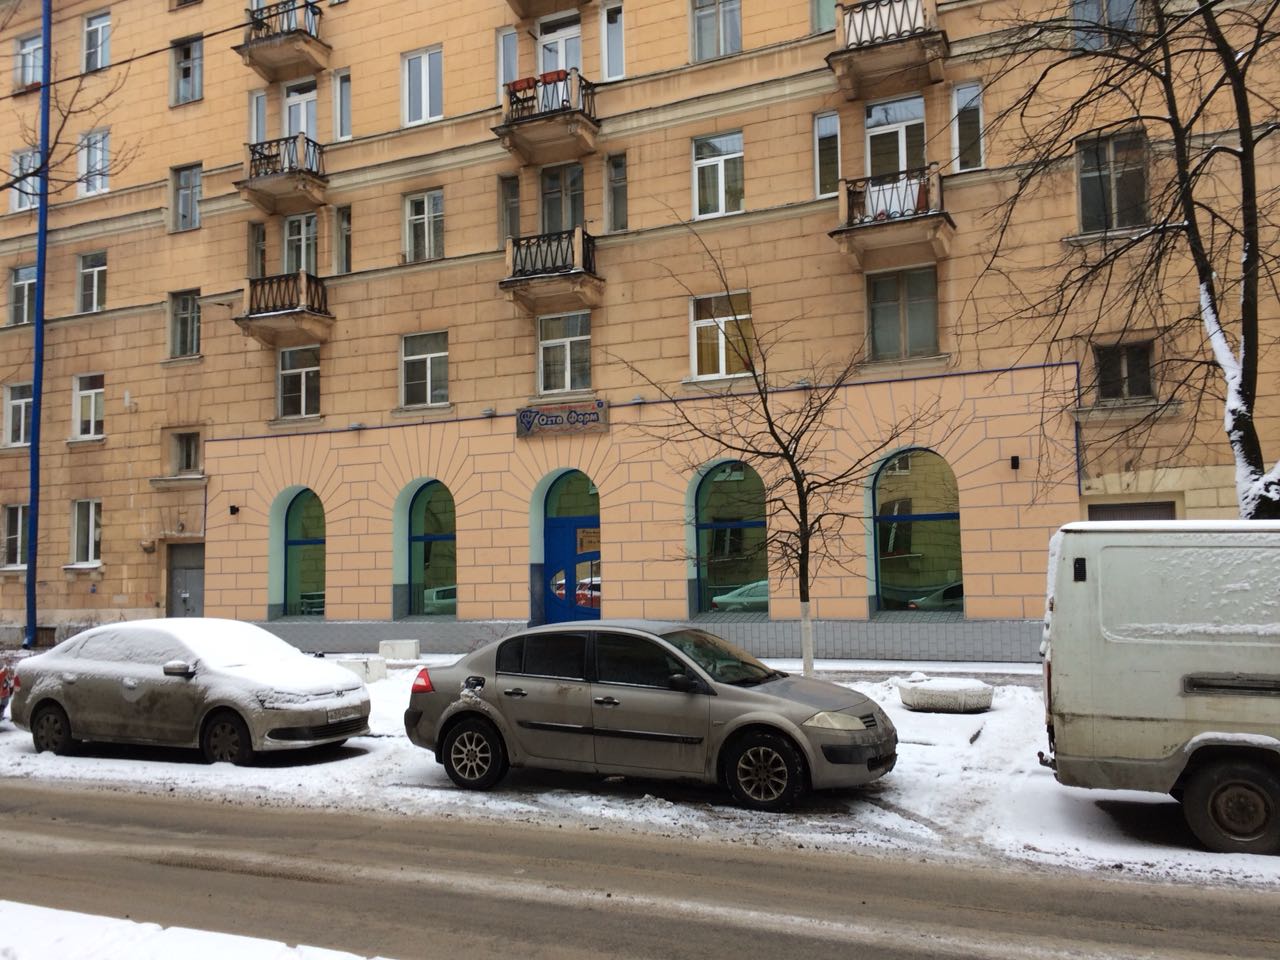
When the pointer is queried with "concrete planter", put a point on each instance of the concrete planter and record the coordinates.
(944, 694)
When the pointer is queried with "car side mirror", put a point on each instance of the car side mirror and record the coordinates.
(179, 668)
(682, 683)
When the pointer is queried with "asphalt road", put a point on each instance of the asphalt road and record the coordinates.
(424, 888)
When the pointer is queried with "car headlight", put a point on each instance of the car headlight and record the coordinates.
(830, 720)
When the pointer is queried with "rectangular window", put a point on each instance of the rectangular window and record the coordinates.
(721, 335)
(300, 382)
(1102, 23)
(258, 116)
(342, 240)
(22, 295)
(300, 242)
(94, 163)
(186, 197)
(1124, 371)
(93, 282)
(508, 208)
(425, 369)
(1113, 182)
(15, 536)
(508, 58)
(614, 50)
(342, 105)
(185, 323)
(826, 153)
(30, 60)
(717, 28)
(564, 353)
(717, 175)
(823, 15)
(967, 129)
(423, 86)
(97, 41)
(17, 414)
(86, 532)
(188, 70)
(561, 198)
(26, 188)
(424, 226)
(903, 309)
(90, 404)
(186, 454)
(257, 250)
(616, 168)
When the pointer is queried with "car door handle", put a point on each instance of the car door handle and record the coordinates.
(607, 701)
(514, 692)
(130, 683)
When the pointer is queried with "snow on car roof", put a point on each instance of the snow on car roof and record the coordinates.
(217, 642)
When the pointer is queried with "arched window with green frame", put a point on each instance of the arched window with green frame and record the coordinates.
(304, 556)
(733, 561)
(433, 554)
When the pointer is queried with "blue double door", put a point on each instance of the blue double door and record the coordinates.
(572, 581)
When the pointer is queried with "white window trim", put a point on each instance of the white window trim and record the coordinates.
(197, 75)
(104, 42)
(257, 134)
(28, 297)
(37, 43)
(719, 322)
(95, 522)
(405, 358)
(720, 162)
(424, 53)
(503, 32)
(77, 395)
(23, 513)
(693, 34)
(605, 7)
(955, 126)
(425, 197)
(308, 242)
(174, 313)
(339, 76)
(197, 193)
(898, 128)
(80, 275)
(9, 404)
(24, 197)
(85, 186)
(568, 354)
(817, 171)
(300, 373)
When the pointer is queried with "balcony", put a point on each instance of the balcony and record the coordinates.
(287, 310)
(553, 272)
(885, 47)
(894, 219)
(533, 9)
(282, 41)
(284, 176)
(550, 118)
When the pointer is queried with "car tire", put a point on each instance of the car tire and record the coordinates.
(474, 756)
(764, 772)
(225, 739)
(51, 730)
(1233, 806)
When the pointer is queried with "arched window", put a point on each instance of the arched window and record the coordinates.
(433, 554)
(304, 556)
(917, 520)
(733, 563)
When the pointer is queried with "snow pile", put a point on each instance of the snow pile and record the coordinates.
(944, 694)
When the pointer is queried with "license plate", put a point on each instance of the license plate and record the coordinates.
(345, 713)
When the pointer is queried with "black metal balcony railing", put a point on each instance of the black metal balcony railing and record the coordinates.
(896, 196)
(287, 291)
(553, 92)
(879, 21)
(295, 154)
(552, 253)
(278, 19)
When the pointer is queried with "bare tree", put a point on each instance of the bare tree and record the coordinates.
(1165, 111)
(777, 417)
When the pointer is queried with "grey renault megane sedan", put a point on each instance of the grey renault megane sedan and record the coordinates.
(665, 701)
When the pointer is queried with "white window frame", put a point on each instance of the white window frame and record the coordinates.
(343, 242)
(22, 296)
(100, 24)
(188, 317)
(426, 221)
(10, 405)
(720, 50)
(621, 68)
(426, 358)
(193, 192)
(18, 537)
(99, 283)
(610, 202)
(197, 71)
(959, 98)
(26, 195)
(94, 159)
(566, 343)
(720, 162)
(514, 64)
(814, 16)
(301, 235)
(97, 397)
(817, 166)
(719, 322)
(341, 81)
(425, 53)
(301, 374)
(29, 61)
(92, 549)
(258, 116)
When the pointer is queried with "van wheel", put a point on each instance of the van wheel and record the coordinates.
(1233, 806)
(764, 772)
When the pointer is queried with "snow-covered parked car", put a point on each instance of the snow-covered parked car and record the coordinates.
(230, 688)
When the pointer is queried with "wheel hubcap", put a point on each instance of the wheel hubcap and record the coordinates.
(471, 755)
(50, 730)
(1240, 809)
(224, 741)
(762, 774)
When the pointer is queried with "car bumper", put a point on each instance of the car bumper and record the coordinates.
(299, 727)
(850, 759)
(413, 730)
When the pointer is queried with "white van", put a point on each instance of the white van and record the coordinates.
(1162, 669)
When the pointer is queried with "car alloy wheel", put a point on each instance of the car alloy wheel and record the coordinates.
(764, 771)
(763, 774)
(473, 754)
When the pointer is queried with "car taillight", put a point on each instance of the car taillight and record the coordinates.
(912, 605)
(422, 682)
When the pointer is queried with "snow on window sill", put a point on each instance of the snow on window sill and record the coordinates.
(14, 449)
(431, 410)
(91, 570)
(178, 481)
(183, 360)
(78, 441)
(1102, 236)
(286, 423)
(1110, 411)
(905, 365)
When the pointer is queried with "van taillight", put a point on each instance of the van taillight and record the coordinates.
(422, 682)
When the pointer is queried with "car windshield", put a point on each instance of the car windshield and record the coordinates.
(722, 660)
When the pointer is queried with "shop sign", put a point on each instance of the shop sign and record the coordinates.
(588, 417)
(588, 540)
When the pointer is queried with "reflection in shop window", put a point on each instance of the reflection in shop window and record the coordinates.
(919, 565)
(304, 559)
(433, 560)
(731, 540)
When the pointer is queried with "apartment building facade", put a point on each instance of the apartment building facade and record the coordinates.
(356, 311)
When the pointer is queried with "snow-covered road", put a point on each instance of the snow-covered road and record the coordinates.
(966, 787)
